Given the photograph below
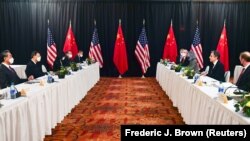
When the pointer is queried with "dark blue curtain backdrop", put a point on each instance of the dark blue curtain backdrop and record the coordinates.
(23, 26)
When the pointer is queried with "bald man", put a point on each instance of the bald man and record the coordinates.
(244, 78)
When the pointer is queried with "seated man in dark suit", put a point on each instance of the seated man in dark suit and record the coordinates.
(79, 57)
(57, 64)
(66, 60)
(244, 78)
(216, 70)
(8, 74)
(34, 67)
(183, 59)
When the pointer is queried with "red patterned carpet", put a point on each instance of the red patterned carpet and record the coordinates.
(113, 102)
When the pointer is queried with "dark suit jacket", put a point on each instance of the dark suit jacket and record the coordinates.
(66, 61)
(244, 81)
(34, 69)
(57, 64)
(7, 77)
(78, 59)
(217, 72)
(184, 63)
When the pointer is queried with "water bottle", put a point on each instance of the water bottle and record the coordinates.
(50, 79)
(196, 77)
(12, 91)
(221, 88)
(221, 96)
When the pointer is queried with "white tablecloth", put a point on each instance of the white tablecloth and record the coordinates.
(196, 103)
(31, 118)
(20, 70)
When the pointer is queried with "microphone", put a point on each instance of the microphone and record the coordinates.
(61, 62)
(232, 86)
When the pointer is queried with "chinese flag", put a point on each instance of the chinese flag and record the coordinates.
(70, 43)
(222, 48)
(120, 54)
(170, 48)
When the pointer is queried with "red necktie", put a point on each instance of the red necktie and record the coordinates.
(241, 73)
(182, 60)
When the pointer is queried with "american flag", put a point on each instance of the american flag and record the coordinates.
(197, 48)
(95, 49)
(142, 52)
(51, 49)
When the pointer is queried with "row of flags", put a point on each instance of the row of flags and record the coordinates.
(170, 48)
(141, 50)
(70, 45)
(120, 53)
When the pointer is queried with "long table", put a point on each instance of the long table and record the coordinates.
(197, 104)
(32, 117)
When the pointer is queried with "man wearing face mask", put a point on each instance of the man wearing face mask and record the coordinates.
(183, 59)
(79, 57)
(67, 59)
(8, 74)
(34, 67)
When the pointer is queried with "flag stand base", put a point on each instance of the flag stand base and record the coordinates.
(120, 76)
(143, 76)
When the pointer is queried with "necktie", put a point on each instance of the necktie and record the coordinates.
(11, 69)
(183, 59)
(243, 70)
(240, 76)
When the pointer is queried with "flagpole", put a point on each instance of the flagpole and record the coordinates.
(171, 22)
(70, 22)
(143, 25)
(224, 22)
(197, 22)
(94, 22)
(120, 22)
(143, 76)
(48, 22)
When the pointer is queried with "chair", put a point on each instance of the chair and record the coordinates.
(44, 68)
(227, 76)
(207, 69)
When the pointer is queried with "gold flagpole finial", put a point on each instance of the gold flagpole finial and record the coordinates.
(48, 21)
(70, 22)
(94, 22)
(143, 21)
(171, 22)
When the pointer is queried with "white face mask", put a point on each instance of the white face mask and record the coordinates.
(11, 60)
(183, 54)
(80, 55)
(38, 59)
(70, 55)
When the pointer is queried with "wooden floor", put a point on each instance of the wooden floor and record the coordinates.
(113, 102)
